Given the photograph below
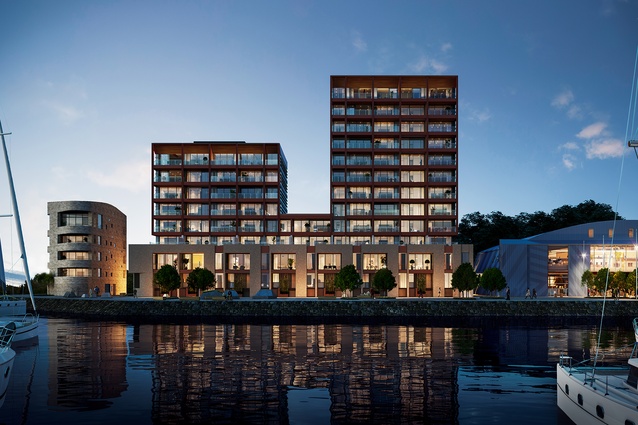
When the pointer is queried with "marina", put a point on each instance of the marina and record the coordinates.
(81, 371)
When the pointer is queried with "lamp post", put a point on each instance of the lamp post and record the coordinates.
(636, 263)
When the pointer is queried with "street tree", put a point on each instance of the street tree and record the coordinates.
(464, 278)
(348, 279)
(200, 279)
(167, 278)
(383, 281)
(492, 280)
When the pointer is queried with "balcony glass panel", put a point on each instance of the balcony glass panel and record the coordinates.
(251, 159)
(386, 209)
(223, 209)
(167, 176)
(359, 93)
(338, 193)
(250, 209)
(197, 225)
(412, 192)
(442, 127)
(197, 193)
(223, 159)
(413, 176)
(358, 176)
(338, 176)
(386, 176)
(359, 110)
(272, 159)
(359, 160)
(385, 143)
(442, 176)
(271, 193)
(442, 110)
(386, 193)
(338, 143)
(197, 176)
(412, 127)
(222, 193)
(223, 176)
(358, 226)
(412, 110)
(223, 226)
(412, 225)
(251, 193)
(442, 209)
(338, 93)
(167, 159)
(358, 144)
(386, 160)
(165, 209)
(197, 209)
(338, 110)
(167, 193)
(339, 126)
(441, 160)
(441, 193)
(338, 210)
(386, 93)
(196, 159)
(386, 226)
(441, 226)
(338, 160)
(443, 93)
(359, 193)
(411, 159)
(359, 209)
(251, 226)
(386, 110)
(412, 144)
(359, 127)
(385, 127)
(448, 143)
(251, 176)
(413, 209)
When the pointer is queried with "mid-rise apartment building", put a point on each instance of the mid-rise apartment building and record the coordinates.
(393, 159)
(87, 248)
(393, 189)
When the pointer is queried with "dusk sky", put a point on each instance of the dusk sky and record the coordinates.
(87, 86)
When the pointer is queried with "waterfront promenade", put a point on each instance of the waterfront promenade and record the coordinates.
(338, 309)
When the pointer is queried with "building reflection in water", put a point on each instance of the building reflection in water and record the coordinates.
(280, 373)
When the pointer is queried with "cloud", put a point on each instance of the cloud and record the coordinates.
(570, 146)
(445, 47)
(575, 112)
(604, 148)
(425, 64)
(67, 114)
(563, 99)
(358, 42)
(569, 161)
(480, 116)
(132, 176)
(592, 130)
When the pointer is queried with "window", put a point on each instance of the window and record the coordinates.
(329, 261)
(74, 219)
(283, 261)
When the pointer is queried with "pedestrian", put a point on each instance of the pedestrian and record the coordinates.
(97, 291)
(534, 293)
(527, 294)
(507, 293)
(134, 293)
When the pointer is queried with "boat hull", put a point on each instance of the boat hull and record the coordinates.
(6, 366)
(606, 401)
(26, 327)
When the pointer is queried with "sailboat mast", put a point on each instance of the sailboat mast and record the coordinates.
(16, 213)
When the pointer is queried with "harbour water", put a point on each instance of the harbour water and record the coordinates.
(90, 372)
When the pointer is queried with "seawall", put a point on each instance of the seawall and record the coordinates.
(339, 310)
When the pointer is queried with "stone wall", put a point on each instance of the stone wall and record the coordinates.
(384, 310)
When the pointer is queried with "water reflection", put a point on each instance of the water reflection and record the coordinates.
(311, 374)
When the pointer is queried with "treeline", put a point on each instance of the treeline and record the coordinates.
(485, 230)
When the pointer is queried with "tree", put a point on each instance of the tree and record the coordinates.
(602, 280)
(348, 278)
(485, 231)
(587, 279)
(464, 278)
(167, 278)
(41, 282)
(200, 279)
(492, 279)
(383, 281)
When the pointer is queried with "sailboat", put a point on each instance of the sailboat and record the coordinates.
(7, 356)
(15, 310)
(587, 394)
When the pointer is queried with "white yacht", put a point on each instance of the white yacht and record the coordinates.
(599, 396)
(7, 356)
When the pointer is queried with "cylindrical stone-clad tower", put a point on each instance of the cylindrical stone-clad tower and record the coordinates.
(87, 248)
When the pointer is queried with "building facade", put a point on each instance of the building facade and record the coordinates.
(393, 159)
(393, 188)
(87, 248)
(553, 263)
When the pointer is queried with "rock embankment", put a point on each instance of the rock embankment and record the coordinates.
(342, 310)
